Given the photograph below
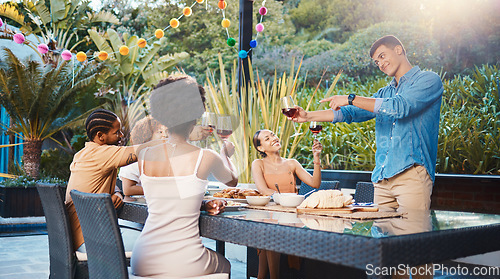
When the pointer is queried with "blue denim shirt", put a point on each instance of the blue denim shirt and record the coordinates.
(407, 123)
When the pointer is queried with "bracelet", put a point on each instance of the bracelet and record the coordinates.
(317, 163)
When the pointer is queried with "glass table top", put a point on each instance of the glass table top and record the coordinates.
(413, 221)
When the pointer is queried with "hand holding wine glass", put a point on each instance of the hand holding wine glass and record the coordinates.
(290, 110)
(208, 120)
(224, 126)
(315, 128)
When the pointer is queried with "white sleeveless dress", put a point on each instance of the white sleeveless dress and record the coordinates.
(170, 244)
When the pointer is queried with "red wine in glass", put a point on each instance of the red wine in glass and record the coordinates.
(224, 134)
(289, 112)
(316, 130)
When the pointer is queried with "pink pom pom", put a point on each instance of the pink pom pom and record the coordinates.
(19, 38)
(42, 48)
(259, 27)
(1, 22)
(66, 55)
(263, 11)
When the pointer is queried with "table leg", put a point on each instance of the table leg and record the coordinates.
(220, 246)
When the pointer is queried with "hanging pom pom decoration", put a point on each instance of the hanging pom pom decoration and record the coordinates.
(243, 54)
(259, 27)
(19, 38)
(187, 11)
(159, 33)
(222, 4)
(253, 43)
(142, 43)
(124, 50)
(200, 1)
(66, 55)
(81, 56)
(225, 23)
(231, 42)
(103, 55)
(42, 48)
(263, 11)
(174, 23)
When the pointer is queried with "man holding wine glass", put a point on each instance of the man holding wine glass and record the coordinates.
(407, 126)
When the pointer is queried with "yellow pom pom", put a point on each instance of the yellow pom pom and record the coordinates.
(225, 23)
(200, 1)
(159, 33)
(187, 11)
(103, 55)
(222, 5)
(124, 50)
(142, 43)
(81, 56)
(174, 23)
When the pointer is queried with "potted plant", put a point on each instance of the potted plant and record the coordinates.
(19, 197)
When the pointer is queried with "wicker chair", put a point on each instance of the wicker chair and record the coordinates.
(102, 236)
(64, 262)
(364, 192)
(325, 185)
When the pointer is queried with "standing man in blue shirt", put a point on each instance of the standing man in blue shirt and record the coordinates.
(406, 129)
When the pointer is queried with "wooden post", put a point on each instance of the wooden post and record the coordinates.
(245, 36)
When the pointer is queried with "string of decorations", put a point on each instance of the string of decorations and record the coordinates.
(124, 50)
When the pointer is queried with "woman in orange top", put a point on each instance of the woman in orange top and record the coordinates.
(274, 170)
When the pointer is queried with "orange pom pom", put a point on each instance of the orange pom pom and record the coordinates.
(225, 23)
(174, 23)
(200, 1)
(124, 50)
(222, 5)
(81, 56)
(103, 55)
(142, 43)
(187, 11)
(159, 33)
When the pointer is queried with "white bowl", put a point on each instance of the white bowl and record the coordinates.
(258, 200)
(292, 200)
(276, 198)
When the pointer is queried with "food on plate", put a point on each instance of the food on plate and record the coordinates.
(236, 193)
(326, 199)
(233, 203)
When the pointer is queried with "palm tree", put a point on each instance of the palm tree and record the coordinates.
(39, 100)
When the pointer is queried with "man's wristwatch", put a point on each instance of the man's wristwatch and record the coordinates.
(351, 98)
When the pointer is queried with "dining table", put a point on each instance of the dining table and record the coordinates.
(372, 246)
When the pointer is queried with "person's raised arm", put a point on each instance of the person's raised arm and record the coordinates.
(337, 101)
(307, 116)
(258, 178)
(221, 166)
(315, 179)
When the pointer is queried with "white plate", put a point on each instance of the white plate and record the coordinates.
(235, 206)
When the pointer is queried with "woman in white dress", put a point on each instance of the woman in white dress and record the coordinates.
(174, 178)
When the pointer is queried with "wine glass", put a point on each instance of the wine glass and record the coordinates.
(315, 128)
(208, 121)
(224, 126)
(289, 110)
